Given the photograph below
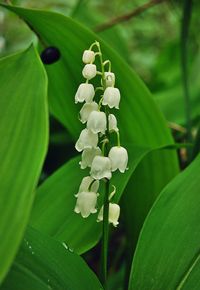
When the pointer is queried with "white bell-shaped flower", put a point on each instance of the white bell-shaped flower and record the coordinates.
(86, 110)
(88, 155)
(89, 71)
(88, 183)
(86, 203)
(97, 122)
(101, 167)
(119, 158)
(88, 56)
(85, 93)
(114, 212)
(110, 79)
(87, 139)
(112, 123)
(111, 97)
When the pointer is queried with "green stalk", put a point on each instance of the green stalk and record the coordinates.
(105, 230)
(187, 11)
(105, 237)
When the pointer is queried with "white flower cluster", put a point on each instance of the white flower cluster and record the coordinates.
(100, 123)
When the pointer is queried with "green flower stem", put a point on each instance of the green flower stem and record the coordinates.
(105, 230)
(105, 238)
(102, 65)
(100, 102)
(103, 148)
(118, 139)
(109, 64)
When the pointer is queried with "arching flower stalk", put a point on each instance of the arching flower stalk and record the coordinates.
(94, 141)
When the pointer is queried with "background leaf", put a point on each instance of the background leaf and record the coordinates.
(167, 254)
(44, 264)
(23, 134)
(58, 218)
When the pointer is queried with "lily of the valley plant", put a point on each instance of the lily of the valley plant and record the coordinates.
(93, 140)
(98, 154)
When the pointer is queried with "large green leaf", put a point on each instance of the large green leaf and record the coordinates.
(23, 134)
(43, 263)
(139, 117)
(168, 251)
(58, 218)
(140, 121)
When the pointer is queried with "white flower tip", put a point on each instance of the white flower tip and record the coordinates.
(76, 209)
(85, 216)
(94, 210)
(78, 148)
(82, 166)
(115, 224)
(110, 79)
(89, 71)
(111, 97)
(86, 110)
(85, 93)
(101, 168)
(97, 122)
(119, 158)
(88, 56)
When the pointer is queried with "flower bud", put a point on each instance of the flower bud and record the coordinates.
(97, 122)
(111, 97)
(88, 56)
(86, 110)
(85, 93)
(89, 71)
(119, 158)
(114, 212)
(87, 139)
(110, 79)
(86, 203)
(101, 167)
(112, 123)
(88, 155)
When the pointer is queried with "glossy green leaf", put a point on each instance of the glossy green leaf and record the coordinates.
(167, 255)
(139, 117)
(53, 211)
(43, 263)
(23, 134)
(140, 121)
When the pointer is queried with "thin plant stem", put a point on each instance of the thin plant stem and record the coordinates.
(105, 237)
(187, 11)
(105, 229)
(128, 16)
